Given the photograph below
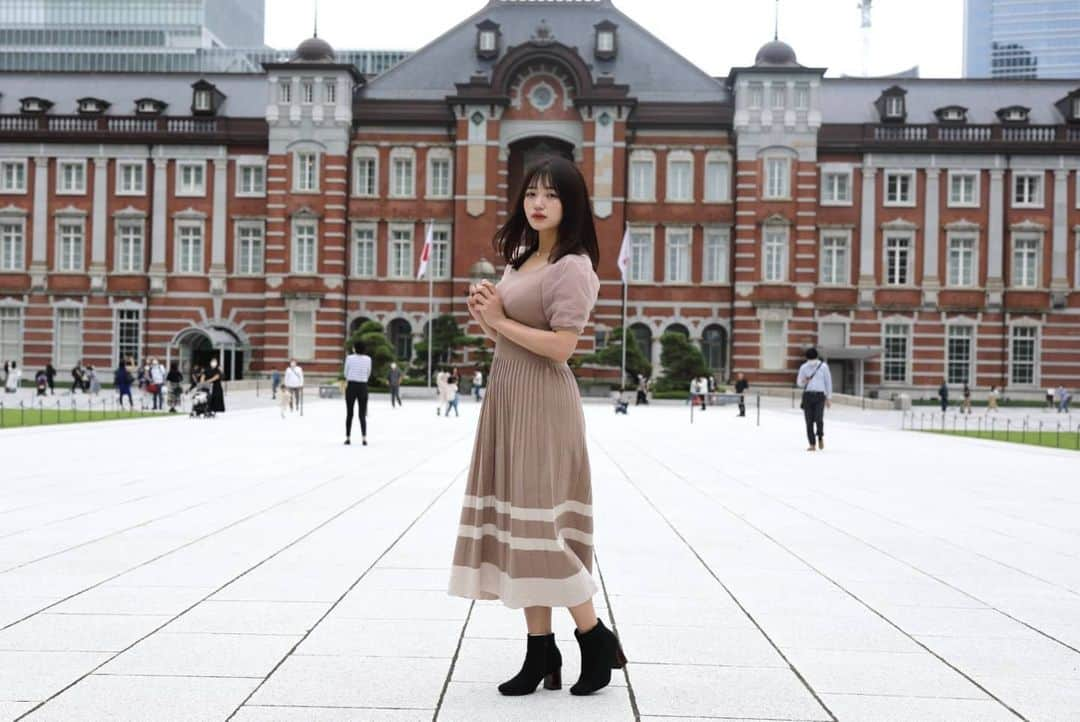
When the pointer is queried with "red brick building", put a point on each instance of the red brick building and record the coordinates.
(914, 229)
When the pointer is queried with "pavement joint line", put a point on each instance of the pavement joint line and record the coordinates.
(615, 629)
(832, 581)
(425, 510)
(247, 571)
(714, 575)
(453, 662)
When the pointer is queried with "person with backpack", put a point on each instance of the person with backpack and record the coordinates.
(815, 379)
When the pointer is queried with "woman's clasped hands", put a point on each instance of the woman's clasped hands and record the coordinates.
(485, 305)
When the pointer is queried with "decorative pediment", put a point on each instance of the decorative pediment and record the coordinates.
(776, 219)
(1028, 225)
(13, 210)
(130, 212)
(70, 211)
(899, 224)
(190, 214)
(963, 224)
(305, 212)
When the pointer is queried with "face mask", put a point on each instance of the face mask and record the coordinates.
(293, 364)
(213, 364)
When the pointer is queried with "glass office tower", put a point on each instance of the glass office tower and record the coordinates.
(1022, 38)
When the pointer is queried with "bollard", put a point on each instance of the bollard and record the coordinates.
(1057, 441)
(1, 414)
(965, 425)
(22, 414)
(759, 409)
(1008, 433)
(1040, 432)
(993, 425)
(1023, 431)
(41, 413)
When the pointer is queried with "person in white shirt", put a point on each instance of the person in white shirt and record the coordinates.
(477, 383)
(157, 378)
(442, 395)
(14, 376)
(294, 384)
(816, 382)
(357, 373)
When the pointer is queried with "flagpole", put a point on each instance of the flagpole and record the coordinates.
(430, 301)
(624, 292)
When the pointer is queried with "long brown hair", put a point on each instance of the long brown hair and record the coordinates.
(517, 240)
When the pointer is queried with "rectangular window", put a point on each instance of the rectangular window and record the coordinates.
(677, 266)
(894, 365)
(832, 333)
(130, 178)
(717, 183)
(440, 178)
(249, 248)
(12, 247)
(1026, 261)
(899, 188)
(757, 95)
(129, 247)
(680, 182)
(189, 248)
(1027, 190)
(440, 253)
(642, 179)
(401, 255)
(716, 257)
(774, 255)
(364, 252)
(330, 90)
(304, 246)
(959, 354)
(401, 177)
(250, 180)
(128, 333)
(963, 190)
(641, 256)
(773, 349)
(285, 91)
(68, 337)
(71, 177)
(307, 92)
(1022, 355)
(802, 96)
(11, 334)
(777, 180)
(894, 106)
(69, 247)
(302, 335)
(836, 188)
(897, 260)
(961, 261)
(834, 259)
(191, 179)
(779, 97)
(366, 178)
(13, 176)
(307, 172)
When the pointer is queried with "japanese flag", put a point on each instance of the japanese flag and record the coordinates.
(624, 254)
(425, 254)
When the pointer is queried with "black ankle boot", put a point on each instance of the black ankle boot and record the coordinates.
(600, 653)
(542, 662)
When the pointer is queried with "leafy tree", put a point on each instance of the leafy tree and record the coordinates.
(377, 346)
(682, 361)
(611, 355)
(446, 338)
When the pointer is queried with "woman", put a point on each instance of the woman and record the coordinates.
(175, 379)
(122, 379)
(217, 394)
(452, 394)
(357, 373)
(14, 376)
(530, 461)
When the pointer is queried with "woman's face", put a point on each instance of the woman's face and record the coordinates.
(543, 207)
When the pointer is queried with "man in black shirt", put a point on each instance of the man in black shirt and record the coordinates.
(741, 385)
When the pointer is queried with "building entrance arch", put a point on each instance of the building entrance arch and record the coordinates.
(197, 345)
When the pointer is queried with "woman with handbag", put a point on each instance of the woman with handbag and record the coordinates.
(816, 382)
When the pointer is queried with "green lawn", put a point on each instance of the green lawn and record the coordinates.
(14, 418)
(1032, 437)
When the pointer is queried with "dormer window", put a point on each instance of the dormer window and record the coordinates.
(149, 106)
(891, 105)
(951, 114)
(35, 106)
(92, 106)
(605, 40)
(487, 40)
(1069, 107)
(1075, 116)
(1013, 114)
(205, 98)
(202, 100)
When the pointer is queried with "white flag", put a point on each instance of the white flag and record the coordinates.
(425, 255)
(624, 254)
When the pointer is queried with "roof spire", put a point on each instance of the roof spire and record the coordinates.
(776, 21)
(316, 19)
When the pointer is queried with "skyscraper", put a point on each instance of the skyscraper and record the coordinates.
(1022, 38)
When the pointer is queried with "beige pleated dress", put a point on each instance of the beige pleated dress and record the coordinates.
(525, 535)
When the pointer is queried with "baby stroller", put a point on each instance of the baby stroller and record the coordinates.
(200, 402)
(41, 381)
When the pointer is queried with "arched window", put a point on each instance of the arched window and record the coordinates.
(643, 336)
(357, 323)
(678, 328)
(399, 333)
(714, 347)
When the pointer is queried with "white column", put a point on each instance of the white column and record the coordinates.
(603, 161)
(159, 224)
(218, 222)
(995, 240)
(931, 281)
(1059, 278)
(867, 221)
(99, 223)
(40, 249)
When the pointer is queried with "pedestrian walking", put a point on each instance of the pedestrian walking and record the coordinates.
(477, 383)
(966, 408)
(175, 380)
(741, 385)
(93, 383)
(217, 390)
(815, 379)
(393, 378)
(1050, 399)
(275, 382)
(78, 379)
(294, 385)
(530, 459)
(697, 392)
(642, 398)
(452, 394)
(156, 385)
(357, 373)
(943, 395)
(50, 377)
(122, 380)
(992, 399)
(441, 396)
(1064, 396)
(14, 377)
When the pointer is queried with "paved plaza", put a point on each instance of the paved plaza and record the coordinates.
(253, 568)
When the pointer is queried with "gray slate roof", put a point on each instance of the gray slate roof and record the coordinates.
(851, 100)
(653, 70)
(245, 95)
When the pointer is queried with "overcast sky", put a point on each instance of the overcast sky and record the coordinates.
(713, 34)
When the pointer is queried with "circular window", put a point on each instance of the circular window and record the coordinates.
(542, 96)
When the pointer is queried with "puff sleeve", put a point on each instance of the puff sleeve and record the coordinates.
(568, 292)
